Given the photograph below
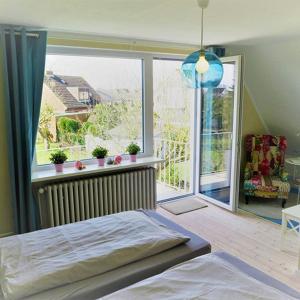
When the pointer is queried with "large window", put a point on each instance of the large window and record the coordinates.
(89, 101)
(93, 97)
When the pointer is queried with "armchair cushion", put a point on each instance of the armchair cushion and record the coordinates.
(266, 154)
(264, 171)
(266, 187)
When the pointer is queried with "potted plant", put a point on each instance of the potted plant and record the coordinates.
(100, 153)
(58, 158)
(133, 150)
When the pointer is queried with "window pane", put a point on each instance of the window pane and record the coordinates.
(216, 137)
(173, 123)
(90, 101)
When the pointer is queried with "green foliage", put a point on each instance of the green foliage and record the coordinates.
(103, 118)
(85, 127)
(46, 115)
(68, 125)
(172, 176)
(70, 131)
(221, 108)
(175, 133)
(175, 138)
(99, 152)
(214, 147)
(58, 157)
(133, 149)
(131, 118)
(213, 152)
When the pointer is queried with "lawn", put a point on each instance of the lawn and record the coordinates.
(73, 152)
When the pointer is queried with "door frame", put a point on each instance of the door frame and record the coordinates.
(236, 141)
(193, 122)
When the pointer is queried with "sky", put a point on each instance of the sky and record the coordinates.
(111, 73)
(99, 72)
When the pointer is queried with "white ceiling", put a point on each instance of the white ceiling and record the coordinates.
(178, 21)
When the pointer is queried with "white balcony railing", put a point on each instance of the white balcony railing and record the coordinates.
(176, 171)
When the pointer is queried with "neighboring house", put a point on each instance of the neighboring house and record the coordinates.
(68, 94)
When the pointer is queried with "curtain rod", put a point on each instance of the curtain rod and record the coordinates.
(36, 35)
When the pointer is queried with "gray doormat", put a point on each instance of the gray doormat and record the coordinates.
(184, 205)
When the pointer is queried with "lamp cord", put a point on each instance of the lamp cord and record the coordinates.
(202, 22)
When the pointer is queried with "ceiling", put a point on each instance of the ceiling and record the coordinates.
(229, 21)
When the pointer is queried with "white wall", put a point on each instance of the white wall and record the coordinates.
(272, 75)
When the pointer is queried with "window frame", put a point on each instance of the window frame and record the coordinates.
(193, 124)
(147, 90)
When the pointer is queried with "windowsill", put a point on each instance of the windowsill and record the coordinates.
(45, 175)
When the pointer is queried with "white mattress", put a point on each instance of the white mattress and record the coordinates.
(45, 259)
(114, 280)
(208, 277)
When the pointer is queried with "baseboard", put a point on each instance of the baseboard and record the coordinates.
(6, 234)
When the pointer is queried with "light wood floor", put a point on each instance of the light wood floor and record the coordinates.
(252, 239)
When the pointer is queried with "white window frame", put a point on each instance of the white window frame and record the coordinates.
(147, 80)
(148, 134)
(193, 137)
(236, 140)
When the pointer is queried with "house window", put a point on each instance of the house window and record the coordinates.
(84, 95)
(89, 101)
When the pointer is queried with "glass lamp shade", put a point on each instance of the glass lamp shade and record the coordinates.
(211, 78)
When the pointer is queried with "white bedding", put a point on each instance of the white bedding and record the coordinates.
(208, 277)
(37, 261)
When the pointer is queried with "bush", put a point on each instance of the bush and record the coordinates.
(99, 152)
(58, 157)
(133, 149)
(68, 125)
(69, 131)
(172, 175)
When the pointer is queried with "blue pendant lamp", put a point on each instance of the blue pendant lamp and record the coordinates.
(202, 69)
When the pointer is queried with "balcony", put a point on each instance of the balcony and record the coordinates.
(174, 176)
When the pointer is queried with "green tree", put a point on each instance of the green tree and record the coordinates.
(131, 118)
(69, 131)
(46, 115)
(103, 118)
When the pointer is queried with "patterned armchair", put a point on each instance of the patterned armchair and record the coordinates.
(264, 173)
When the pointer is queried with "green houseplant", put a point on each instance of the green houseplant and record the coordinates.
(100, 153)
(133, 150)
(58, 158)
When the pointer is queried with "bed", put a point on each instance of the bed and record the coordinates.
(125, 275)
(213, 276)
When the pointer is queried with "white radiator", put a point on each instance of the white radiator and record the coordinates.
(72, 201)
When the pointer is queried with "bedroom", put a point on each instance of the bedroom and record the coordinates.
(104, 81)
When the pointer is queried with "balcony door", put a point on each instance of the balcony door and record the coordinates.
(218, 143)
(174, 124)
(196, 133)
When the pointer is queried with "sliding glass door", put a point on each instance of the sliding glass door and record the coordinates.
(219, 138)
